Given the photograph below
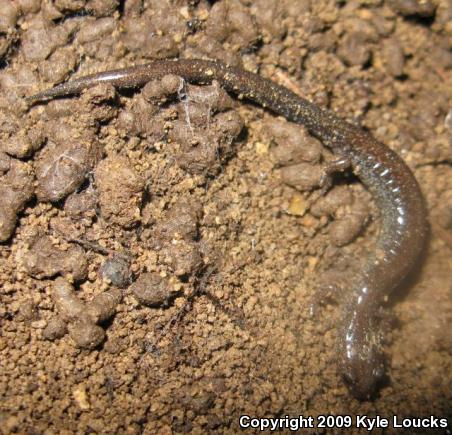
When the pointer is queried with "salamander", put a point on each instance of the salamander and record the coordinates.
(393, 186)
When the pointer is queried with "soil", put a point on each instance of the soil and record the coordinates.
(165, 251)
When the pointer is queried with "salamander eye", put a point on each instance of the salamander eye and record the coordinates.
(379, 369)
(347, 379)
(363, 376)
(363, 389)
(356, 384)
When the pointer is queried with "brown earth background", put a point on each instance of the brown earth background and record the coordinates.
(165, 254)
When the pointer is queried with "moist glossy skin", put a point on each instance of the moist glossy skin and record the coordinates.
(387, 177)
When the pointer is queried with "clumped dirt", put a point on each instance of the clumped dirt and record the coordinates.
(166, 258)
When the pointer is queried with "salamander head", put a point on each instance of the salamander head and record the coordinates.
(363, 372)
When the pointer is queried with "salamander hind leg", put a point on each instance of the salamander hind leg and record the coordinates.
(339, 164)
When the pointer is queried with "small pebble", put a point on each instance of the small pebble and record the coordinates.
(344, 231)
(9, 13)
(62, 168)
(158, 90)
(328, 204)
(297, 205)
(302, 176)
(183, 257)
(56, 328)
(81, 398)
(44, 260)
(180, 221)
(354, 49)
(393, 57)
(38, 324)
(5, 162)
(152, 290)
(103, 306)
(117, 271)
(68, 305)
(422, 8)
(86, 335)
(120, 190)
(293, 143)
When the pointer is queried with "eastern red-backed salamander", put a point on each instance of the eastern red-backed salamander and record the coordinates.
(383, 172)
